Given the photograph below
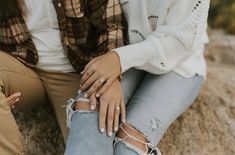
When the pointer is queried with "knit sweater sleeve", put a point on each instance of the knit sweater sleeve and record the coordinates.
(171, 43)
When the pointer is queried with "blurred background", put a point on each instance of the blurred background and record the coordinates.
(222, 15)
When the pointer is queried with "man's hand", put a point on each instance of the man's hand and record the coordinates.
(101, 71)
(111, 105)
(13, 99)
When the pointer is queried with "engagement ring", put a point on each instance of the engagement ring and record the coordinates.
(102, 80)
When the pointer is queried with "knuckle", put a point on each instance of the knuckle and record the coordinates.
(105, 87)
(88, 81)
(110, 115)
(96, 85)
(87, 73)
(85, 86)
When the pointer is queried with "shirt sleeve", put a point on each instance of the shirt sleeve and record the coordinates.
(171, 43)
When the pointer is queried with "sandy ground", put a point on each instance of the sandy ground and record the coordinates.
(207, 128)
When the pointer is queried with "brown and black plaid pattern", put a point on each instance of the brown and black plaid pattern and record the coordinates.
(73, 8)
(89, 28)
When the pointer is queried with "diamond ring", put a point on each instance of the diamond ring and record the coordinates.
(102, 80)
(117, 109)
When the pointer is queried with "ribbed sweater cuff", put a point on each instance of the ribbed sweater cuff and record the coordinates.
(137, 55)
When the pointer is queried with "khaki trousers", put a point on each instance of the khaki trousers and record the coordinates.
(37, 87)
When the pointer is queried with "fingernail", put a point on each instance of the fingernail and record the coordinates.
(79, 91)
(116, 129)
(110, 134)
(17, 99)
(85, 95)
(97, 95)
(123, 121)
(92, 107)
(13, 107)
(82, 72)
(102, 130)
(19, 94)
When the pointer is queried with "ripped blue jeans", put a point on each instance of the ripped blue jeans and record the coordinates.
(153, 103)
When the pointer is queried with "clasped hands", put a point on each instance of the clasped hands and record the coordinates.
(99, 83)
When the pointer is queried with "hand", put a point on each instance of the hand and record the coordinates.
(13, 99)
(101, 71)
(111, 106)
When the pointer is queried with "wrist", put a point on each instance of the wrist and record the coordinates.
(117, 57)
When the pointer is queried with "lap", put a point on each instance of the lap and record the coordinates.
(159, 100)
(15, 76)
(131, 80)
(60, 87)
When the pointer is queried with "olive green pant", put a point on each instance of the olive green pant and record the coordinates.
(37, 87)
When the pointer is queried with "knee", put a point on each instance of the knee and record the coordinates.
(80, 106)
(135, 140)
(83, 105)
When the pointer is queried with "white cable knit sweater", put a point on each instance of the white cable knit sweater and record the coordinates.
(165, 35)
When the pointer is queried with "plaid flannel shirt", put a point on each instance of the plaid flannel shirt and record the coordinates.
(89, 28)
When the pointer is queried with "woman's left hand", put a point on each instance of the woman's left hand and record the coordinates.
(100, 71)
(111, 106)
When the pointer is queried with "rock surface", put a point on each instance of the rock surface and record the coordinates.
(207, 128)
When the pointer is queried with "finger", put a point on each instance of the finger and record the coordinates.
(110, 119)
(88, 66)
(116, 117)
(12, 103)
(98, 83)
(105, 86)
(93, 102)
(88, 83)
(102, 115)
(86, 76)
(123, 111)
(13, 97)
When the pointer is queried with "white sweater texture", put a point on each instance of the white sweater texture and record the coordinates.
(165, 35)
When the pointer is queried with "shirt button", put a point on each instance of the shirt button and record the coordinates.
(59, 5)
(21, 37)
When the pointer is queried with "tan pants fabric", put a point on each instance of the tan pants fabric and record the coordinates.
(37, 87)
